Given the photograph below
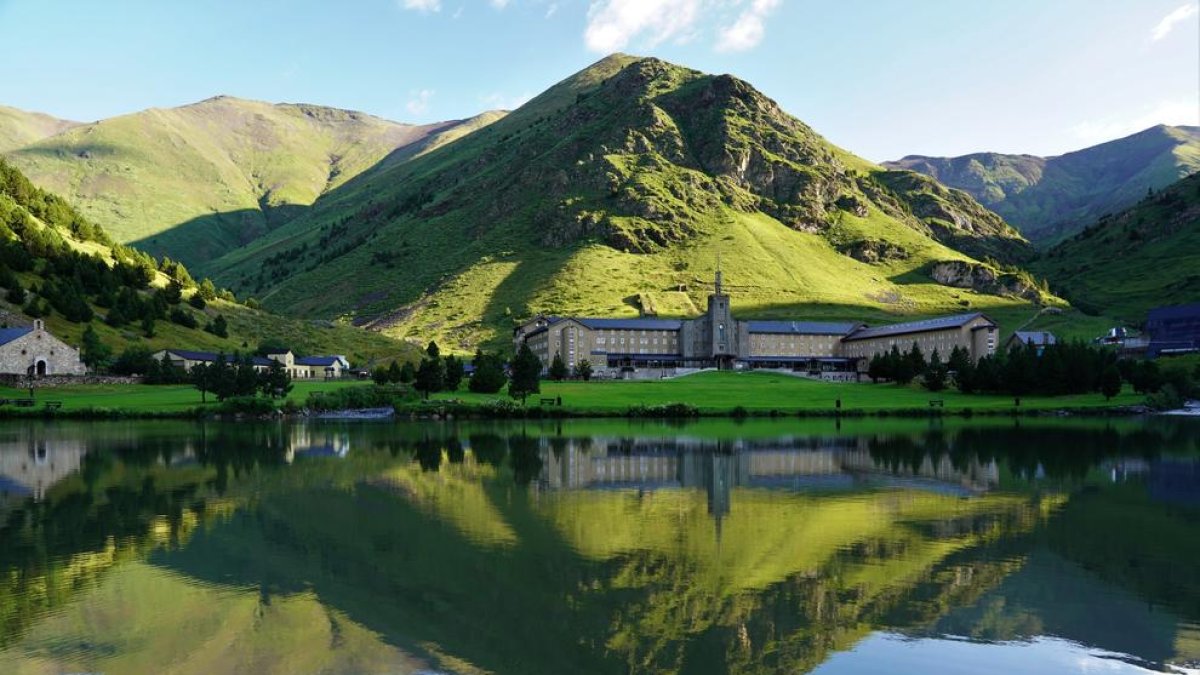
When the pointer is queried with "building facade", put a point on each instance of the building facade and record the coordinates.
(33, 351)
(299, 368)
(1174, 330)
(651, 347)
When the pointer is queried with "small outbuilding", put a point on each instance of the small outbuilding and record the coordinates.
(1036, 339)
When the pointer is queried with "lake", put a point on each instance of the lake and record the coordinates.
(791, 546)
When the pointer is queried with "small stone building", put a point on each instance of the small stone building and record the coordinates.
(32, 350)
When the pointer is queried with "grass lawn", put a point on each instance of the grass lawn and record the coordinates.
(712, 392)
(145, 398)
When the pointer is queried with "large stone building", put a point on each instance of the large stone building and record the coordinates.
(650, 347)
(32, 350)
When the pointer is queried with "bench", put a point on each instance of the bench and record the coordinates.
(550, 401)
(24, 402)
(53, 405)
(937, 403)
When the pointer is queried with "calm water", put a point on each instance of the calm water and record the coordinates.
(610, 547)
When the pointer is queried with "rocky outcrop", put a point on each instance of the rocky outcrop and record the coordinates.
(983, 279)
(873, 251)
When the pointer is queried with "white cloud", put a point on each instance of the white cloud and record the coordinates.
(499, 4)
(552, 10)
(749, 28)
(1179, 111)
(613, 24)
(499, 101)
(418, 101)
(422, 5)
(1168, 23)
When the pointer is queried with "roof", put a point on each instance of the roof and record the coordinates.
(1174, 312)
(318, 361)
(632, 324)
(802, 327)
(1038, 337)
(211, 357)
(7, 335)
(922, 326)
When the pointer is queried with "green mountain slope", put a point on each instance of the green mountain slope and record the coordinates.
(1140, 258)
(56, 265)
(197, 181)
(1050, 198)
(19, 128)
(614, 192)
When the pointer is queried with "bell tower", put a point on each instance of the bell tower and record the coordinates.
(720, 323)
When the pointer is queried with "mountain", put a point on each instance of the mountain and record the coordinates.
(56, 265)
(19, 128)
(1140, 258)
(197, 181)
(1049, 198)
(614, 193)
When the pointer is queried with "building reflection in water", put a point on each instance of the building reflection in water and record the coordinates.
(32, 460)
(720, 466)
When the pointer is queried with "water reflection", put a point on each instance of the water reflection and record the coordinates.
(611, 547)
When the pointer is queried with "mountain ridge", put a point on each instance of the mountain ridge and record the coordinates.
(194, 181)
(1050, 198)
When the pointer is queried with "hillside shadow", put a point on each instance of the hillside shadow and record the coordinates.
(201, 240)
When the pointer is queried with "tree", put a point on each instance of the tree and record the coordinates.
(94, 353)
(407, 373)
(915, 363)
(183, 318)
(526, 374)
(218, 327)
(489, 376)
(148, 326)
(453, 368)
(431, 375)
(964, 370)
(558, 369)
(394, 373)
(275, 382)
(16, 292)
(206, 290)
(202, 377)
(935, 373)
(135, 360)
(583, 370)
(381, 376)
(1110, 382)
(197, 301)
(173, 293)
(877, 368)
(432, 350)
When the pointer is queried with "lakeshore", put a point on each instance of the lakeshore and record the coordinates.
(713, 394)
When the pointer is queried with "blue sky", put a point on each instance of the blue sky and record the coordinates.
(882, 78)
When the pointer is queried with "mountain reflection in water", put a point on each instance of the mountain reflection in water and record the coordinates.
(588, 546)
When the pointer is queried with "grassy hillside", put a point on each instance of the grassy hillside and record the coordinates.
(197, 181)
(69, 273)
(1050, 198)
(19, 128)
(613, 193)
(1137, 259)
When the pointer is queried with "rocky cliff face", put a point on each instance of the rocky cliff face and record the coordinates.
(984, 279)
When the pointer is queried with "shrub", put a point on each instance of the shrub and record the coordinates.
(357, 398)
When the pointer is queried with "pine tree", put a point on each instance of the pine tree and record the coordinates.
(526, 374)
(1110, 382)
(935, 373)
(93, 352)
(275, 382)
(453, 368)
(431, 375)
(583, 370)
(558, 369)
(407, 373)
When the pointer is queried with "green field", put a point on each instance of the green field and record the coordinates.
(721, 392)
(140, 398)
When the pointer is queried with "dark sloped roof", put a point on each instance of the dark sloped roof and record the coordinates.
(1037, 337)
(317, 361)
(1174, 312)
(632, 324)
(7, 335)
(802, 327)
(922, 326)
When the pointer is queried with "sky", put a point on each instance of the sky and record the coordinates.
(881, 78)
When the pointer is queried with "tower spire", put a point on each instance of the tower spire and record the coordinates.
(718, 279)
